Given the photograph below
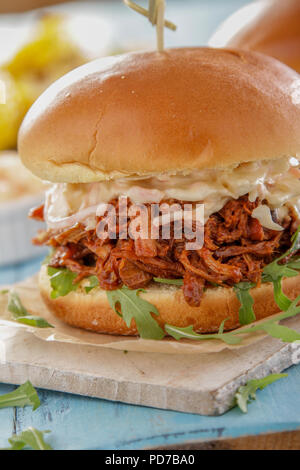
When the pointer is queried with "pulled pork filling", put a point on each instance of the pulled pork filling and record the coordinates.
(236, 248)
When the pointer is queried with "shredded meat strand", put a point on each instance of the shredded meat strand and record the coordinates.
(236, 249)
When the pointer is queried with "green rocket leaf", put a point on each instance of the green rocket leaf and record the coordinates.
(129, 305)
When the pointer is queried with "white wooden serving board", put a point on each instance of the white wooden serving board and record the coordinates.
(200, 383)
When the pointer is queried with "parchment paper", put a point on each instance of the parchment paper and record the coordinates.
(28, 292)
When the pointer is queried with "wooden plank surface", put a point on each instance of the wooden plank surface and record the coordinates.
(87, 423)
(203, 384)
(273, 441)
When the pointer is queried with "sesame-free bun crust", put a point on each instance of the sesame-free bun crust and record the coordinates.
(92, 311)
(147, 113)
(271, 27)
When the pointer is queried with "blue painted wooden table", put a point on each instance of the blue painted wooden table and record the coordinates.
(86, 423)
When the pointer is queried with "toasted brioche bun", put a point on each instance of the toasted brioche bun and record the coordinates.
(149, 113)
(271, 27)
(92, 311)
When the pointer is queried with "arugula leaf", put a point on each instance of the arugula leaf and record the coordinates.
(15, 305)
(21, 315)
(62, 281)
(272, 327)
(275, 272)
(221, 327)
(287, 335)
(94, 282)
(295, 246)
(246, 313)
(294, 263)
(189, 333)
(134, 307)
(25, 395)
(31, 437)
(175, 282)
(292, 311)
(247, 392)
(280, 298)
(33, 320)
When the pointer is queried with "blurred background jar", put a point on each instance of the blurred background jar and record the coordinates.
(36, 52)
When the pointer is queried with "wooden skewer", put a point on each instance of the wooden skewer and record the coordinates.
(156, 16)
(152, 11)
(160, 16)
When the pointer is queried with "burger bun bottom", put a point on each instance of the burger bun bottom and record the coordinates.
(91, 311)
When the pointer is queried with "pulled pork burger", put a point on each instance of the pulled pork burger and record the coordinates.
(218, 129)
(271, 27)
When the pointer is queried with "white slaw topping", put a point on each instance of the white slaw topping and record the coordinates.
(272, 181)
